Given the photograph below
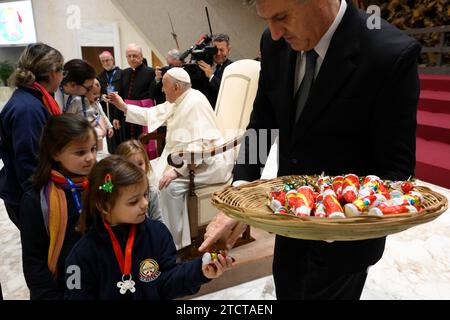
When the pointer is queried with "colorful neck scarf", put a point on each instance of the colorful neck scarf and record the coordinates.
(49, 102)
(54, 209)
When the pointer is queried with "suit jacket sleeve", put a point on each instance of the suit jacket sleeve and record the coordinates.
(252, 153)
(397, 103)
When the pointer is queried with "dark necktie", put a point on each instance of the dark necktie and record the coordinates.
(305, 86)
(217, 72)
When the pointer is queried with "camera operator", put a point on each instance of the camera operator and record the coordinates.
(220, 62)
(173, 60)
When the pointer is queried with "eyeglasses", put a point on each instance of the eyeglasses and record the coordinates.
(87, 88)
(133, 56)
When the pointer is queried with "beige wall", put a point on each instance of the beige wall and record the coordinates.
(189, 19)
(51, 19)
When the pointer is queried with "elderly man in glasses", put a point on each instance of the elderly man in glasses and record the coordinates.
(110, 79)
(137, 88)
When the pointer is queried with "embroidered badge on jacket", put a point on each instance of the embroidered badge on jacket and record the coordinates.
(148, 270)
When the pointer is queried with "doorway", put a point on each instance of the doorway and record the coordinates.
(90, 54)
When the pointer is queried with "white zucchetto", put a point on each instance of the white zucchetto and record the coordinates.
(179, 74)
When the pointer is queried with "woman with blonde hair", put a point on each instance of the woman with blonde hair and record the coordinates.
(39, 73)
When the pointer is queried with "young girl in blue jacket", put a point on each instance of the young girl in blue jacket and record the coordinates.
(125, 255)
(50, 211)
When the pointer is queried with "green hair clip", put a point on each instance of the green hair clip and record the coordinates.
(108, 185)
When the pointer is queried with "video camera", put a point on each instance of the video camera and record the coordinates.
(202, 50)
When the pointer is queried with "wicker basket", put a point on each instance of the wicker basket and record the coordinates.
(248, 203)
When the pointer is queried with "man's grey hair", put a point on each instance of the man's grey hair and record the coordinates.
(174, 53)
(134, 46)
(221, 37)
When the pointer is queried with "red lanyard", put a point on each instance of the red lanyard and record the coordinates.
(124, 264)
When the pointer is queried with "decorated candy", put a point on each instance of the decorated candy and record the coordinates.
(323, 199)
(337, 184)
(384, 209)
(382, 189)
(319, 210)
(332, 206)
(324, 183)
(307, 195)
(415, 198)
(350, 188)
(407, 186)
(277, 199)
(395, 194)
(362, 205)
(301, 203)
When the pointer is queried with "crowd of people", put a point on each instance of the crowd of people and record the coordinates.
(52, 134)
(121, 218)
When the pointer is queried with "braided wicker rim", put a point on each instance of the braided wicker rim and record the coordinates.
(248, 203)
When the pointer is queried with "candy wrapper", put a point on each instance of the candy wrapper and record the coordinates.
(350, 188)
(333, 208)
(210, 257)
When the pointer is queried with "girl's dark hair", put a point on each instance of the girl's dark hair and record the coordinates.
(36, 61)
(131, 147)
(78, 71)
(58, 132)
(96, 201)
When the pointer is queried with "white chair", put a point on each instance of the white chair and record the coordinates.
(233, 108)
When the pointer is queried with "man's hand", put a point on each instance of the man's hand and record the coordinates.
(224, 229)
(116, 124)
(158, 74)
(116, 100)
(167, 178)
(206, 68)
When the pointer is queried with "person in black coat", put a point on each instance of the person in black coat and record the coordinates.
(137, 87)
(359, 116)
(110, 80)
(214, 73)
(124, 255)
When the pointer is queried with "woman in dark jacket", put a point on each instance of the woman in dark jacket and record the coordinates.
(39, 73)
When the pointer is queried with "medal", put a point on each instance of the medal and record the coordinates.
(125, 285)
(127, 282)
(110, 89)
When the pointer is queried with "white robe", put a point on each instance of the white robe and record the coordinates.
(191, 126)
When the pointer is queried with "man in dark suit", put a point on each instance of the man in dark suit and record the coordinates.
(354, 112)
(214, 73)
(137, 88)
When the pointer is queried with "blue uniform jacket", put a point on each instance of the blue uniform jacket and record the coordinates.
(154, 268)
(21, 123)
(35, 244)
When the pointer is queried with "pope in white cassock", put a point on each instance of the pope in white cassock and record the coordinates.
(191, 126)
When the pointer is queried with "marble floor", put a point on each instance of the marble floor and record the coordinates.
(415, 265)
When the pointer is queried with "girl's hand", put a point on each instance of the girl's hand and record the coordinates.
(110, 132)
(213, 268)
